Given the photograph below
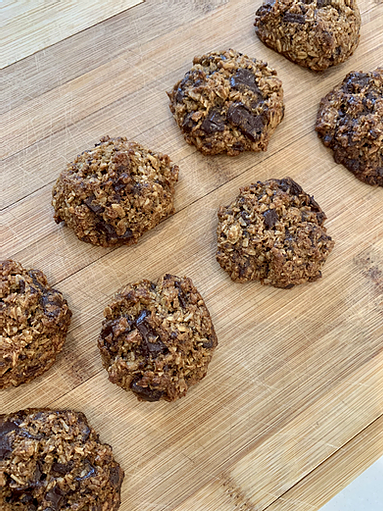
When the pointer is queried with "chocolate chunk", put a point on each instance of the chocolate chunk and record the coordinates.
(5, 443)
(354, 82)
(21, 286)
(179, 95)
(148, 335)
(146, 393)
(115, 475)
(181, 295)
(249, 124)
(294, 18)
(214, 122)
(52, 304)
(323, 3)
(238, 146)
(188, 124)
(107, 229)
(122, 182)
(127, 235)
(96, 208)
(208, 344)
(85, 433)
(288, 185)
(55, 495)
(245, 79)
(289, 286)
(62, 468)
(271, 217)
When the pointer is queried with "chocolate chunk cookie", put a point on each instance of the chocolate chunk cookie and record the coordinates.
(157, 339)
(35, 321)
(350, 122)
(112, 194)
(228, 103)
(273, 232)
(53, 460)
(312, 33)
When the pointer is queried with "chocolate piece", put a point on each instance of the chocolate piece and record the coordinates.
(290, 17)
(214, 122)
(250, 125)
(146, 393)
(245, 79)
(163, 351)
(271, 217)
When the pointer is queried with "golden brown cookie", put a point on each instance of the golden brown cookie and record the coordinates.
(350, 122)
(35, 323)
(157, 339)
(273, 232)
(112, 194)
(312, 33)
(53, 460)
(228, 103)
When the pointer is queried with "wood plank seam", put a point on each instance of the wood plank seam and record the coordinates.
(325, 461)
(41, 35)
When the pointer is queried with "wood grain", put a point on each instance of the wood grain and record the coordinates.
(32, 26)
(298, 374)
(336, 472)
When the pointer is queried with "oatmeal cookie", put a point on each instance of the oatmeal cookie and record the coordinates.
(228, 103)
(273, 232)
(312, 33)
(157, 339)
(112, 194)
(350, 122)
(35, 322)
(52, 460)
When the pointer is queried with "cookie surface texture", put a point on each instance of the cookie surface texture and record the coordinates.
(350, 122)
(316, 34)
(54, 460)
(228, 103)
(112, 194)
(273, 232)
(157, 339)
(35, 322)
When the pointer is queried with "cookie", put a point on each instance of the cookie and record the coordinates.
(54, 460)
(228, 103)
(316, 34)
(35, 323)
(350, 122)
(273, 232)
(112, 194)
(157, 339)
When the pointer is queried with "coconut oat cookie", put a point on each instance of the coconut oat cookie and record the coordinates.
(273, 232)
(35, 321)
(350, 122)
(157, 339)
(112, 194)
(54, 460)
(228, 103)
(312, 33)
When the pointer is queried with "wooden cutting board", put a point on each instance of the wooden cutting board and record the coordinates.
(291, 408)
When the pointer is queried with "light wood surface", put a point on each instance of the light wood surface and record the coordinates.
(32, 26)
(297, 377)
